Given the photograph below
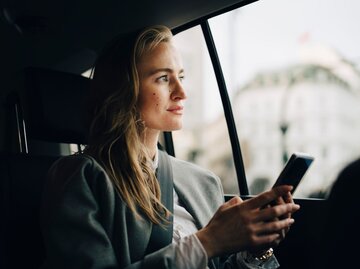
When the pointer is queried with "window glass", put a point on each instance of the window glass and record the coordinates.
(204, 138)
(292, 71)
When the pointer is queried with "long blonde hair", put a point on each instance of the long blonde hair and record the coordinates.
(115, 126)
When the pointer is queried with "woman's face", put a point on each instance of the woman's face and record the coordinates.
(161, 93)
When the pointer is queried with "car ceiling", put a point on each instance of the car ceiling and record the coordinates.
(66, 35)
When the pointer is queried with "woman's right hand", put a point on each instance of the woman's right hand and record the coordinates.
(247, 225)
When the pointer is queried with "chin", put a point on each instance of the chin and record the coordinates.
(173, 128)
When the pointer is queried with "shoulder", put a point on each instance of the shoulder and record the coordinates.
(81, 173)
(71, 164)
(188, 167)
(75, 161)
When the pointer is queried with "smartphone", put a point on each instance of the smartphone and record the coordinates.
(294, 170)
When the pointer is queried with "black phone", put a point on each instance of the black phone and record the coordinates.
(294, 170)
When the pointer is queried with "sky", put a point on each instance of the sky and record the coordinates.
(268, 34)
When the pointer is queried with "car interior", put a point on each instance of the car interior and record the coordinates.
(46, 47)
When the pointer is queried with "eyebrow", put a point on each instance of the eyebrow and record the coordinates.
(168, 70)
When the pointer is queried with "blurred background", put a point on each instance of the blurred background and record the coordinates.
(292, 72)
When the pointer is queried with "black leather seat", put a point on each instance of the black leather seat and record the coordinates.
(52, 107)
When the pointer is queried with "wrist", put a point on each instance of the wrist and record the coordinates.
(259, 258)
(206, 243)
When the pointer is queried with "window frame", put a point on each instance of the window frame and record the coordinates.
(228, 112)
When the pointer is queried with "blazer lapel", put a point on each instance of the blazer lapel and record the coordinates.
(192, 199)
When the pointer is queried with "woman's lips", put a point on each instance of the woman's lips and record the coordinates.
(178, 110)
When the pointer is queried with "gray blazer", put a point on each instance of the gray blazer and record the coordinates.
(86, 224)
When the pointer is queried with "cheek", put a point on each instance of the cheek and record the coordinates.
(152, 110)
(156, 100)
(149, 102)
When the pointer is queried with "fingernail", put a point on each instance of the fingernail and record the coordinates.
(291, 221)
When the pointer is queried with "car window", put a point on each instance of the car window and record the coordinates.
(292, 71)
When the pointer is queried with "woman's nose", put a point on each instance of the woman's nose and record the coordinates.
(178, 90)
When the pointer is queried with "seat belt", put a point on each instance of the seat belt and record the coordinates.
(161, 236)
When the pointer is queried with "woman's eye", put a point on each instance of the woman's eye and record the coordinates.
(163, 78)
(181, 78)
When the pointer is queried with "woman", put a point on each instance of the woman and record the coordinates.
(123, 203)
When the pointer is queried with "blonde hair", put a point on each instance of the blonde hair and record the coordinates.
(116, 128)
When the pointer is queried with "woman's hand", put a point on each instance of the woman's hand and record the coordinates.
(249, 225)
(287, 198)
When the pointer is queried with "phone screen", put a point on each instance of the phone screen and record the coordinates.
(294, 170)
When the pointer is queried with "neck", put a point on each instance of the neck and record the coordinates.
(151, 138)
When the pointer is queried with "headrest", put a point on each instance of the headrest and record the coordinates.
(54, 105)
